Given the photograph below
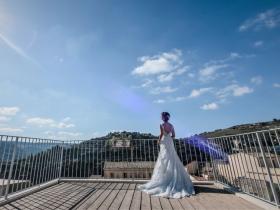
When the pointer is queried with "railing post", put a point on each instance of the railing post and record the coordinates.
(276, 199)
(212, 161)
(60, 164)
(11, 169)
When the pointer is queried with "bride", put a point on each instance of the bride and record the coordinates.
(170, 178)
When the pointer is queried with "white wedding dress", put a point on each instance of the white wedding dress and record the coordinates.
(170, 178)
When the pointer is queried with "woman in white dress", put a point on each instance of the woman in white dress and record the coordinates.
(170, 178)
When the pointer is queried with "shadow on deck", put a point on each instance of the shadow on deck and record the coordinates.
(79, 195)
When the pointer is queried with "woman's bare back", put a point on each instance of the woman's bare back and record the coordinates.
(168, 128)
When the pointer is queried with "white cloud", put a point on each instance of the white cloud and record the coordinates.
(268, 19)
(166, 89)
(41, 122)
(71, 134)
(62, 135)
(4, 119)
(66, 119)
(210, 106)
(11, 130)
(234, 90)
(165, 77)
(182, 70)
(64, 125)
(169, 77)
(197, 92)
(232, 56)
(180, 98)
(158, 64)
(276, 85)
(257, 80)
(147, 83)
(159, 101)
(48, 122)
(191, 75)
(9, 111)
(240, 91)
(258, 43)
(209, 72)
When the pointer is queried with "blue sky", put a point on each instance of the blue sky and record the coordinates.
(79, 69)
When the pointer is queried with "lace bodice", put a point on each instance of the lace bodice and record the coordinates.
(167, 128)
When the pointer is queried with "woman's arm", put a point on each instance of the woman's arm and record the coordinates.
(173, 132)
(161, 133)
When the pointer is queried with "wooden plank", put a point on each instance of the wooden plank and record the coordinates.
(80, 194)
(136, 200)
(218, 201)
(102, 197)
(176, 204)
(8, 206)
(155, 203)
(237, 202)
(145, 201)
(52, 201)
(110, 198)
(70, 199)
(186, 204)
(125, 186)
(165, 204)
(128, 197)
(119, 198)
(132, 187)
(91, 198)
(205, 201)
(196, 203)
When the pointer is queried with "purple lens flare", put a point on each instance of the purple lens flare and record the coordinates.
(207, 146)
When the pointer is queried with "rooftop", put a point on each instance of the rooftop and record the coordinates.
(118, 195)
(53, 174)
(125, 165)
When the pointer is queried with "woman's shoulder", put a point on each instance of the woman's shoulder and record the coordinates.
(170, 124)
(166, 123)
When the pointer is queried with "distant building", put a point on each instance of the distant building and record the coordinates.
(247, 170)
(121, 142)
(139, 169)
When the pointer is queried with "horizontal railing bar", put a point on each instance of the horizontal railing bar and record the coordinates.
(138, 181)
(33, 138)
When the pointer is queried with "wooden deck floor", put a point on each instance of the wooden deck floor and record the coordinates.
(124, 196)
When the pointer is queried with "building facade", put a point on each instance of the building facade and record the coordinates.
(139, 169)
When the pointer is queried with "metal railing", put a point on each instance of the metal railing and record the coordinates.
(247, 162)
(251, 163)
(135, 158)
(27, 162)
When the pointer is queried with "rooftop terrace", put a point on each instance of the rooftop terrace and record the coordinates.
(229, 172)
(117, 195)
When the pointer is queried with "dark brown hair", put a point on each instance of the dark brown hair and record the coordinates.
(165, 116)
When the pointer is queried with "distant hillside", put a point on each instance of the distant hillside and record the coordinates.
(127, 134)
(236, 129)
(244, 128)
